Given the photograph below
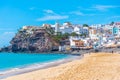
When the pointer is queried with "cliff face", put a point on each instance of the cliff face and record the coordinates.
(31, 39)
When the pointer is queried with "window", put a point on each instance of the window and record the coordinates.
(76, 43)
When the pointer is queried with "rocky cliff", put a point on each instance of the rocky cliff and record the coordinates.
(31, 39)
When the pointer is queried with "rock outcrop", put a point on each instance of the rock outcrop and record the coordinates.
(31, 39)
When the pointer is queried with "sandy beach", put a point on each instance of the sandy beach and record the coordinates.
(94, 66)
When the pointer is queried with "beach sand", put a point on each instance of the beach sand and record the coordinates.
(96, 66)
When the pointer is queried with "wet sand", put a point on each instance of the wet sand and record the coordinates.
(94, 66)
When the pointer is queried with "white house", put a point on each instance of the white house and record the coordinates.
(96, 25)
(81, 30)
(93, 34)
(73, 39)
(85, 30)
(66, 29)
(77, 29)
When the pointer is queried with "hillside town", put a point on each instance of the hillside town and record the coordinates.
(82, 36)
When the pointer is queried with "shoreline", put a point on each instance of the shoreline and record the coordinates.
(93, 66)
(34, 67)
(75, 52)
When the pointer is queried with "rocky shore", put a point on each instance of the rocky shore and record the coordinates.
(79, 52)
(31, 40)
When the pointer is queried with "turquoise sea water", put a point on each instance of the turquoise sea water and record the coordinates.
(13, 60)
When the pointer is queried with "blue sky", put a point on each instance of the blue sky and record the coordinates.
(16, 13)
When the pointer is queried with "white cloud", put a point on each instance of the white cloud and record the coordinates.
(113, 17)
(49, 11)
(5, 33)
(98, 7)
(83, 14)
(4, 29)
(52, 17)
(104, 7)
(77, 13)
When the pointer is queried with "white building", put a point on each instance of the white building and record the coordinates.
(96, 26)
(81, 30)
(85, 30)
(77, 29)
(93, 34)
(57, 27)
(73, 40)
(66, 29)
(77, 41)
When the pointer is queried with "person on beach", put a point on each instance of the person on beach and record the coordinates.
(112, 52)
